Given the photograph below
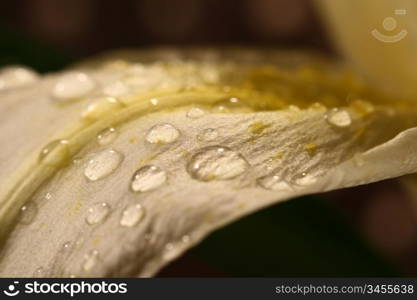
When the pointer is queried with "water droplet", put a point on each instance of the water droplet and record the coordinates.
(16, 76)
(61, 153)
(304, 179)
(66, 247)
(90, 260)
(102, 164)
(195, 113)
(116, 89)
(154, 102)
(72, 86)
(97, 213)
(132, 215)
(101, 107)
(228, 105)
(106, 136)
(148, 178)
(28, 213)
(162, 134)
(273, 182)
(339, 117)
(216, 163)
(208, 134)
(185, 239)
(169, 252)
(39, 272)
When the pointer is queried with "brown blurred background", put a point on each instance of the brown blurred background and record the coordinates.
(83, 27)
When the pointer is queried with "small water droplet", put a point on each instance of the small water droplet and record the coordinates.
(90, 260)
(304, 179)
(103, 164)
(216, 163)
(101, 107)
(208, 134)
(132, 215)
(195, 113)
(186, 239)
(154, 101)
(116, 89)
(148, 178)
(72, 86)
(106, 136)
(339, 117)
(28, 213)
(169, 252)
(273, 182)
(16, 76)
(162, 134)
(39, 273)
(61, 153)
(97, 213)
(228, 105)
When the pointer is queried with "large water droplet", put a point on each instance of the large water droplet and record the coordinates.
(106, 136)
(101, 107)
(132, 215)
(102, 164)
(162, 134)
(216, 163)
(28, 213)
(208, 134)
(16, 76)
(72, 86)
(90, 260)
(97, 213)
(195, 113)
(61, 153)
(273, 182)
(339, 117)
(148, 178)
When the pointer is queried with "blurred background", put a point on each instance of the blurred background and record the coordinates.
(363, 231)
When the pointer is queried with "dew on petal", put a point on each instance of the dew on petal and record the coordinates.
(208, 134)
(132, 215)
(230, 104)
(216, 163)
(28, 213)
(61, 153)
(106, 136)
(16, 76)
(339, 117)
(116, 89)
(39, 273)
(90, 260)
(102, 164)
(97, 213)
(304, 179)
(72, 86)
(195, 113)
(273, 182)
(162, 134)
(101, 107)
(147, 178)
